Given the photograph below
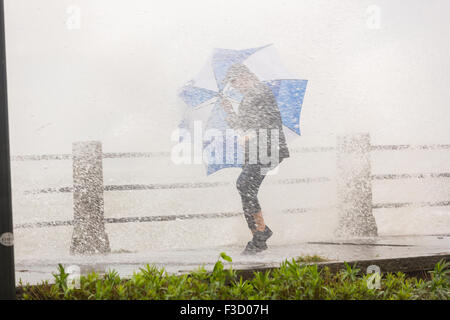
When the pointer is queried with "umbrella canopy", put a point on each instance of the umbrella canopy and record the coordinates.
(201, 96)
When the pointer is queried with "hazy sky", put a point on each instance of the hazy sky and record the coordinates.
(115, 76)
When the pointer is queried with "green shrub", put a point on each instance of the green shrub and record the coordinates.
(292, 280)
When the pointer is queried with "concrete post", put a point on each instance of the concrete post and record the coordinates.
(354, 187)
(89, 235)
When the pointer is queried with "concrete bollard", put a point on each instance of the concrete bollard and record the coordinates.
(89, 235)
(354, 187)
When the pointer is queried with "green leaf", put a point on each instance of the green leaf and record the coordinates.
(225, 257)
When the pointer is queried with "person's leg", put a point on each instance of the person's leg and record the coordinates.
(259, 221)
(248, 185)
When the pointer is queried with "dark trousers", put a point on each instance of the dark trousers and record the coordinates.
(248, 185)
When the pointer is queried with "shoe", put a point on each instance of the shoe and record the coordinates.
(258, 243)
(253, 248)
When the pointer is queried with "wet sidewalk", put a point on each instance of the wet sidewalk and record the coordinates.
(180, 261)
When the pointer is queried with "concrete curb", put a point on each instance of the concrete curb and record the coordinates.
(413, 266)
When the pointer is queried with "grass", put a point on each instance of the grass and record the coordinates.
(293, 280)
(310, 259)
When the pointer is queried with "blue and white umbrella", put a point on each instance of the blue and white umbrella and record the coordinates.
(201, 96)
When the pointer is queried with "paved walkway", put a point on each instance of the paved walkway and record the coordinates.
(179, 261)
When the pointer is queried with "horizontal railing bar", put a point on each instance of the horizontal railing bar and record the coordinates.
(312, 149)
(410, 147)
(160, 218)
(175, 217)
(42, 157)
(57, 223)
(167, 154)
(305, 210)
(410, 176)
(165, 186)
(189, 185)
(410, 204)
(114, 155)
(301, 180)
(195, 185)
(49, 190)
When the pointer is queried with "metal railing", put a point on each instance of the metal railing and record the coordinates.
(354, 189)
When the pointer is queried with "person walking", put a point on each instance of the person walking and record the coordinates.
(257, 121)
